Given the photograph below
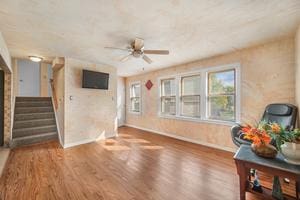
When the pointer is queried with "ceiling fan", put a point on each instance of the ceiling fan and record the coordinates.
(136, 49)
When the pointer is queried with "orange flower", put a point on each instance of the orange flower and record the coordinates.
(257, 136)
(275, 128)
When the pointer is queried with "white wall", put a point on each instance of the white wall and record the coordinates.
(121, 101)
(4, 56)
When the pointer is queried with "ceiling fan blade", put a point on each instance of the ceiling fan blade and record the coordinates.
(161, 52)
(138, 43)
(116, 48)
(147, 59)
(125, 58)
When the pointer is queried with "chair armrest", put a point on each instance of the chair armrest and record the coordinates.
(237, 136)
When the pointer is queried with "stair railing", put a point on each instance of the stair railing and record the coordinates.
(54, 94)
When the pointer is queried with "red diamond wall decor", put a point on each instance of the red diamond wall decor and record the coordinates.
(149, 85)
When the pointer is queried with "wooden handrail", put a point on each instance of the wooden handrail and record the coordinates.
(54, 94)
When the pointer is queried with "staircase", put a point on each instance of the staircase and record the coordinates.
(34, 121)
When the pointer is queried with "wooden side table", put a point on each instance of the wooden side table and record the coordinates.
(245, 160)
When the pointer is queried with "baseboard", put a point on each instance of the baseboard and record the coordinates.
(86, 141)
(72, 144)
(184, 138)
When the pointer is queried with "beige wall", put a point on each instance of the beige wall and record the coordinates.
(44, 80)
(297, 66)
(267, 76)
(91, 113)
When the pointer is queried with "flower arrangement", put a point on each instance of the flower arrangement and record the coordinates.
(265, 133)
(261, 139)
(258, 135)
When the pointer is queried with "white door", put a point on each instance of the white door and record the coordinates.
(29, 78)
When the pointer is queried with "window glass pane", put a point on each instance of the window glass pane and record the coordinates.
(221, 107)
(190, 106)
(135, 90)
(168, 87)
(135, 104)
(221, 82)
(168, 105)
(190, 85)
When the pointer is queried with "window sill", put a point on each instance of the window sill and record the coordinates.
(209, 121)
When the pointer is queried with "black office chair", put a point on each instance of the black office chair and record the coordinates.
(284, 114)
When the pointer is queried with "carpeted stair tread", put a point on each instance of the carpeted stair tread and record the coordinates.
(32, 139)
(19, 110)
(28, 116)
(33, 123)
(21, 132)
(33, 104)
(18, 99)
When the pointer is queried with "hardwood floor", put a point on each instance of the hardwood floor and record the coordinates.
(137, 165)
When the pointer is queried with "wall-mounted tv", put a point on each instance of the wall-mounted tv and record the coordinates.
(95, 80)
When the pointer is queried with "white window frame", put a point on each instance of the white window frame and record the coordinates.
(203, 72)
(160, 96)
(180, 94)
(140, 98)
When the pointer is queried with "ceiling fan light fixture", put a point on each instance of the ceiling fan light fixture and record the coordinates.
(137, 50)
(35, 58)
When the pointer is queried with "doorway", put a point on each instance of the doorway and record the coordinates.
(29, 78)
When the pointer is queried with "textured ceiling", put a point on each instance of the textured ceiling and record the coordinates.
(190, 29)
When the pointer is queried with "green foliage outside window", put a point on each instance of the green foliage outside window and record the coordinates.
(221, 96)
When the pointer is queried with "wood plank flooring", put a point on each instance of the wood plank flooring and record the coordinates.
(137, 165)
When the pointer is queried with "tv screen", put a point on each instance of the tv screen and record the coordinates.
(95, 80)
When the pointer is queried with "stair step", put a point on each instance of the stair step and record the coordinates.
(33, 123)
(22, 132)
(33, 109)
(18, 99)
(33, 104)
(21, 141)
(29, 116)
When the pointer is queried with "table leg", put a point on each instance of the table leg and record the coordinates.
(243, 176)
(298, 190)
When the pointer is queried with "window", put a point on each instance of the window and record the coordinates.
(190, 96)
(135, 97)
(221, 95)
(210, 94)
(168, 97)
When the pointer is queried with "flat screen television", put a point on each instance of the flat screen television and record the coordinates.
(95, 80)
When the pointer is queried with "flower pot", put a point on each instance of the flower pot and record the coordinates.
(264, 150)
(291, 152)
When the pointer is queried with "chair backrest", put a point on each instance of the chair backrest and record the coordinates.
(284, 114)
